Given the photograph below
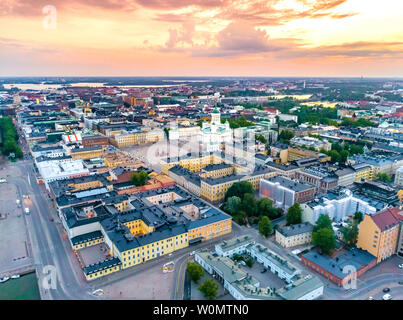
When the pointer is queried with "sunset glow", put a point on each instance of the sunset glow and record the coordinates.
(203, 38)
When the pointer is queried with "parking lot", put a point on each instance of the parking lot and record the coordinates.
(14, 243)
(266, 279)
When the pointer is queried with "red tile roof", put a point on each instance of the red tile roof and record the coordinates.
(398, 213)
(386, 219)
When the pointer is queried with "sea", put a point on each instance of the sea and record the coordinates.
(24, 288)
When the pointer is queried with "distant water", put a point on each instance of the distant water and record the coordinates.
(23, 288)
(43, 86)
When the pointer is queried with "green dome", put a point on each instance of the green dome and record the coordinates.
(216, 110)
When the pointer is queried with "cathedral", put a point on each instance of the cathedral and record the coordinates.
(215, 133)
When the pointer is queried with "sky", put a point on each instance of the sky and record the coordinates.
(306, 38)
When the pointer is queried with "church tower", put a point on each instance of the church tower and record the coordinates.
(216, 116)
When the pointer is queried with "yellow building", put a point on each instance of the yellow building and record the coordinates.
(214, 189)
(137, 236)
(126, 139)
(211, 231)
(87, 153)
(193, 164)
(378, 234)
(297, 153)
(216, 170)
(363, 172)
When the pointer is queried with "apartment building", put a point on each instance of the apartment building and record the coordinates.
(285, 192)
(379, 234)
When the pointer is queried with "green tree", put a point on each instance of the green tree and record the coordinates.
(237, 257)
(350, 233)
(233, 204)
(383, 177)
(195, 271)
(285, 136)
(325, 239)
(265, 227)
(358, 216)
(239, 189)
(240, 217)
(166, 130)
(334, 156)
(249, 204)
(344, 155)
(261, 139)
(209, 289)
(265, 208)
(323, 222)
(294, 214)
(249, 261)
(139, 178)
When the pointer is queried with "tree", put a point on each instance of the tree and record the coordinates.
(237, 257)
(358, 216)
(195, 271)
(239, 189)
(240, 217)
(285, 136)
(139, 178)
(265, 208)
(265, 227)
(249, 261)
(350, 233)
(261, 138)
(209, 289)
(344, 155)
(166, 130)
(325, 239)
(294, 214)
(323, 222)
(249, 204)
(383, 177)
(334, 156)
(233, 204)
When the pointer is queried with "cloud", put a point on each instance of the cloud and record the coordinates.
(391, 50)
(238, 38)
(177, 4)
(34, 7)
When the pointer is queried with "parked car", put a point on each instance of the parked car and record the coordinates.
(371, 298)
(400, 266)
(387, 297)
(386, 290)
(263, 270)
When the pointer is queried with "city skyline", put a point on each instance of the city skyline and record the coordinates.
(301, 38)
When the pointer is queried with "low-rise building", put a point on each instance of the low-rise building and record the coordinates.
(228, 248)
(294, 235)
(340, 269)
